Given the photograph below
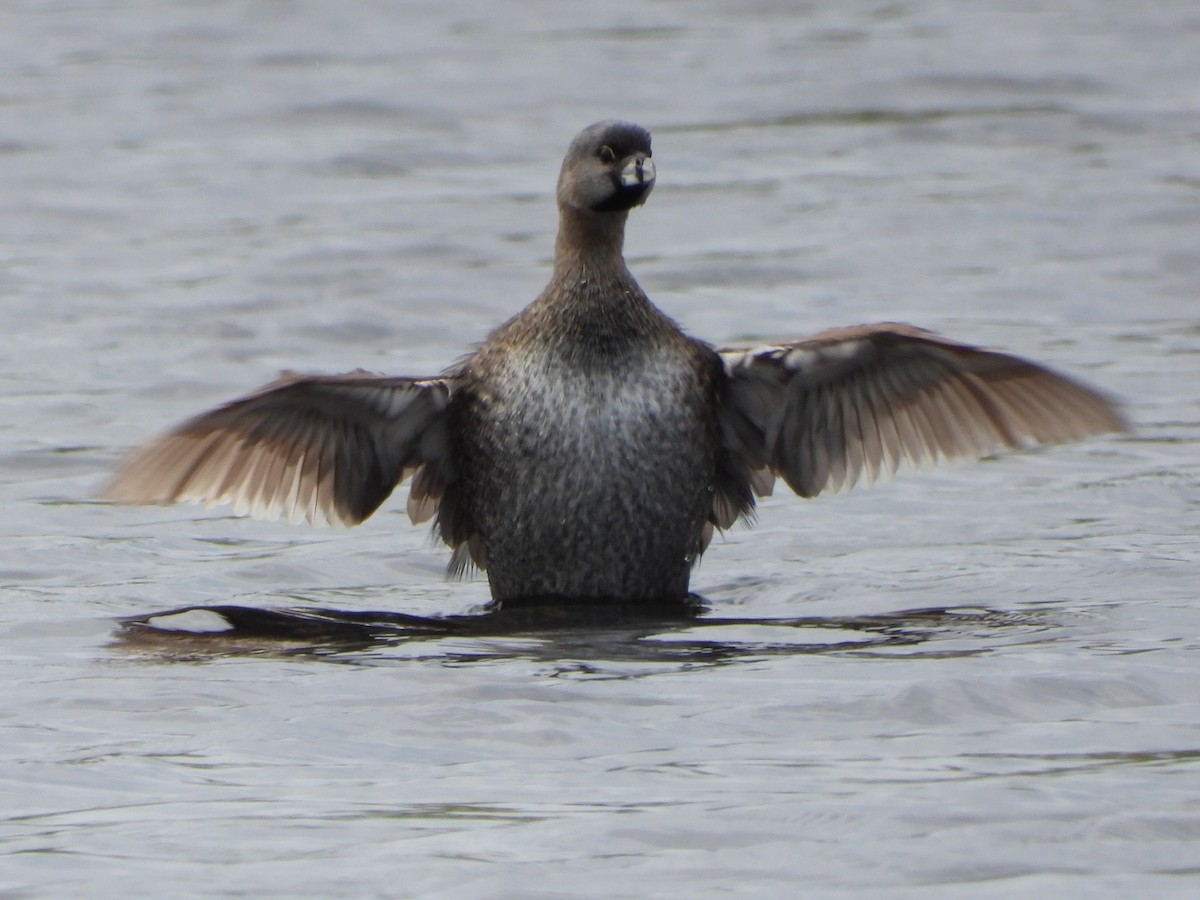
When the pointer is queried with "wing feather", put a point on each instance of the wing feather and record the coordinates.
(853, 404)
(319, 448)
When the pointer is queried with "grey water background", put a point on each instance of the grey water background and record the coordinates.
(981, 681)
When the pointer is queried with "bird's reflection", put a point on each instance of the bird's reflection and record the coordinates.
(682, 633)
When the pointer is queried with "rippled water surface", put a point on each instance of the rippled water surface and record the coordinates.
(982, 681)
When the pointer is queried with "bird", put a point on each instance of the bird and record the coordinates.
(587, 449)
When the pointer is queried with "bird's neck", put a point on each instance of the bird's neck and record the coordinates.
(589, 246)
(593, 307)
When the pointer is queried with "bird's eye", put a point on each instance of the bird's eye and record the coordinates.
(606, 154)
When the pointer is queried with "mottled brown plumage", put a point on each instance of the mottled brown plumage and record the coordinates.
(589, 447)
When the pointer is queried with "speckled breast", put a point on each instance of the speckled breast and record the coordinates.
(591, 481)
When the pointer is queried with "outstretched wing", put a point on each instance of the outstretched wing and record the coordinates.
(852, 404)
(316, 448)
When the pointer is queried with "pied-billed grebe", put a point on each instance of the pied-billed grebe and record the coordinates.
(589, 447)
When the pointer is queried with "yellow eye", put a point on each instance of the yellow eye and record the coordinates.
(606, 154)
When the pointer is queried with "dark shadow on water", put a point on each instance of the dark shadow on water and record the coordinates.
(682, 634)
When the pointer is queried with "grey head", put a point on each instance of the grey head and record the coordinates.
(607, 169)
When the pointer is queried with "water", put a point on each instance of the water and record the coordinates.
(977, 682)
